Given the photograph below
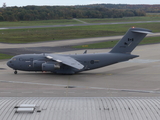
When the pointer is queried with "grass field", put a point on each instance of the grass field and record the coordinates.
(37, 23)
(148, 17)
(72, 32)
(125, 19)
(110, 44)
(5, 56)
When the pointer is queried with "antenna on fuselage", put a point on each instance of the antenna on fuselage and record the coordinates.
(85, 52)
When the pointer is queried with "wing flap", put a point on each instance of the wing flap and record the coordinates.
(65, 60)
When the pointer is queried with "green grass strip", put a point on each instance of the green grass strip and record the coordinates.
(38, 23)
(64, 33)
(5, 56)
(149, 17)
(110, 44)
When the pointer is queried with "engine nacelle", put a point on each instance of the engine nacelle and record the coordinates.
(38, 64)
(49, 66)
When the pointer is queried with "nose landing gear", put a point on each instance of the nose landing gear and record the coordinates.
(15, 72)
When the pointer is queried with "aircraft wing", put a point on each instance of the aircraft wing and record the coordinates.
(65, 60)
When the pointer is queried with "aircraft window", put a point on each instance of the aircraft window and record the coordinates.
(14, 59)
(20, 59)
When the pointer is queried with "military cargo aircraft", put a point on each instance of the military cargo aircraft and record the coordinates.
(71, 64)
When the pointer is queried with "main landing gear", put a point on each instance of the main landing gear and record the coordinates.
(15, 72)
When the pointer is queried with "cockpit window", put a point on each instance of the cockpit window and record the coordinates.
(14, 59)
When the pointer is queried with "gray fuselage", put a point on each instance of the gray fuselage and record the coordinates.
(33, 62)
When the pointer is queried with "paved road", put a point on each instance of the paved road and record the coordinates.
(85, 24)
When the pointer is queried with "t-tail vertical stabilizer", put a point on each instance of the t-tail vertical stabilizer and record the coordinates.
(130, 40)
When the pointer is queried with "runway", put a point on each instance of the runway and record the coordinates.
(136, 78)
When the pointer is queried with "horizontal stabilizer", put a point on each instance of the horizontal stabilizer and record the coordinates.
(138, 31)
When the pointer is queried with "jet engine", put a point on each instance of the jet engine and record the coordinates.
(50, 66)
(37, 63)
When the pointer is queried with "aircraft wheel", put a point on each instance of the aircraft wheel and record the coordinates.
(15, 72)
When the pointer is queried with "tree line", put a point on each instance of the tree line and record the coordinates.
(143, 7)
(30, 13)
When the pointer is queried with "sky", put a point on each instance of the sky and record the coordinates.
(73, 2)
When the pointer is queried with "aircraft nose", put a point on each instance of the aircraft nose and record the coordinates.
(9, 63)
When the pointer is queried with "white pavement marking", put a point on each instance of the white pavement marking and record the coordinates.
(3, 28)
(59, 85)
(80, 20)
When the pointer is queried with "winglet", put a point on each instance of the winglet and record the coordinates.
(138, 31)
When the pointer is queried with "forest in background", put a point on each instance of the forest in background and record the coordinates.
(31, 13)
(143, 7)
